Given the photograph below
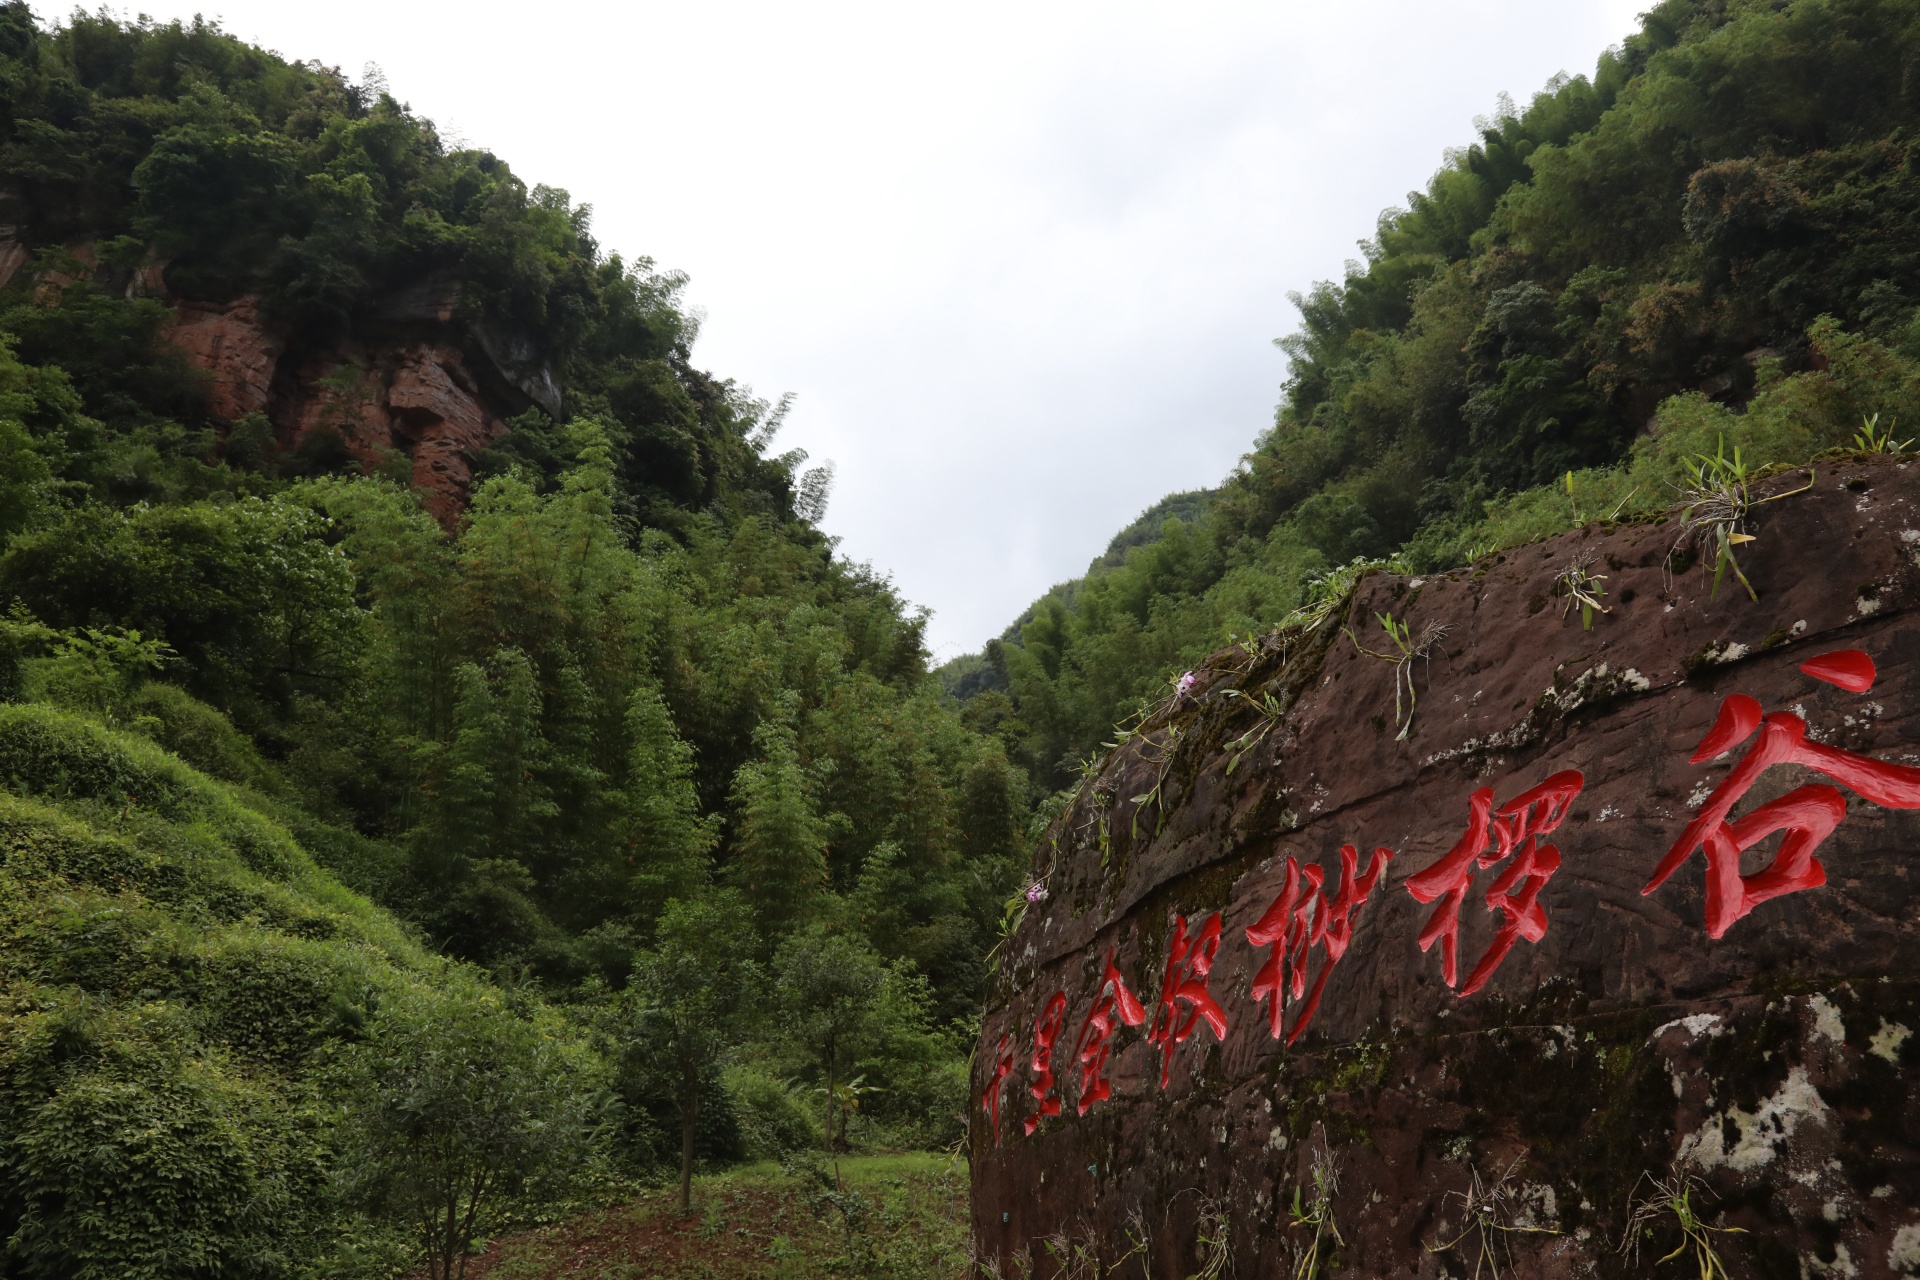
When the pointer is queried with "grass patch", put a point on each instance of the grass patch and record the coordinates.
(898, 1216)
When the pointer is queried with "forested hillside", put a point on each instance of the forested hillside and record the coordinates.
(447, 776)
(405, 830)
(1711, 238)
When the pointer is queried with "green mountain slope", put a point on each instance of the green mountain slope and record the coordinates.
(182, 991)
(1711, 236)
(549, 717)
(381, 863)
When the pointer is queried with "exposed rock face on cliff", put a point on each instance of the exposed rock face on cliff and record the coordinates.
(414, 391)
(234, 347)
(1617, 1044)
(421, 383)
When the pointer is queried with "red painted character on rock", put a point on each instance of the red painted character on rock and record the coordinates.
(1046, 1032)
(1515, 830)
(1113, 1005)
(1189, 961)
(1302, 918)
(1806, 814)
(1002, 1068)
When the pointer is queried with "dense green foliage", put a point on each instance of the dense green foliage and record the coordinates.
(366, 883)
(635, 669)
(181, 988)
(1711, 235)
(335, 844)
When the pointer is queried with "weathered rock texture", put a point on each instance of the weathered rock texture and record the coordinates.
(1625, 1046)
(238, 352)
(412, 391)
(419, 384)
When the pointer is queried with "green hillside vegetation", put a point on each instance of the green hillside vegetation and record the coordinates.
(368, 886)
(1709, 238)
(194, 1023)
(611, 681)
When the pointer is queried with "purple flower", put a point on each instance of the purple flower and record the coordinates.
(1186, 681)
(1037, 892)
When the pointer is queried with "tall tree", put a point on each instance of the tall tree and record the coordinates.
(665, 836)
(780, 846)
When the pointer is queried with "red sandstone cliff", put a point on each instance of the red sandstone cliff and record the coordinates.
(421, 384)
(417, 397)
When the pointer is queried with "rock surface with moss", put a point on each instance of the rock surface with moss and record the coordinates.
(1622, 1075)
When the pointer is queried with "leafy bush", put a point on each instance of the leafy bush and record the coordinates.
(133, 1149)
(776, 1117)
(199, 735)
(459, 1107)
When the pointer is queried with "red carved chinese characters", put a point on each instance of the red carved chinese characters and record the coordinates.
(1002, 1068)
(1302, 918)
(1046, 1031)
(1113, 1005)
(1515, 829)
(1806, 814)
(1189, 961)
(1851, 669)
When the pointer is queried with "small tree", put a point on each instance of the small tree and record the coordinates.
(458, 1105)
(829, 987)
(689, 990)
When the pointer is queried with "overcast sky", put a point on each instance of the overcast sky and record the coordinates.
(1022, 263)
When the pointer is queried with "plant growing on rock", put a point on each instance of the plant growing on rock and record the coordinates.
(1014, 910)
(1314, 1212)
(1270, 710)
(1580, 517)
(1163, 759)
(1871, 439)
(1324, 593)
(1672, 1197)
(1406, 650)
(1213, 1241)
(1078, 1257)
(1581, 586)
(1491, 1212)
(1718, 498)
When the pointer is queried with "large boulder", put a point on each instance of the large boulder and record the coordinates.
(1611, 1058)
